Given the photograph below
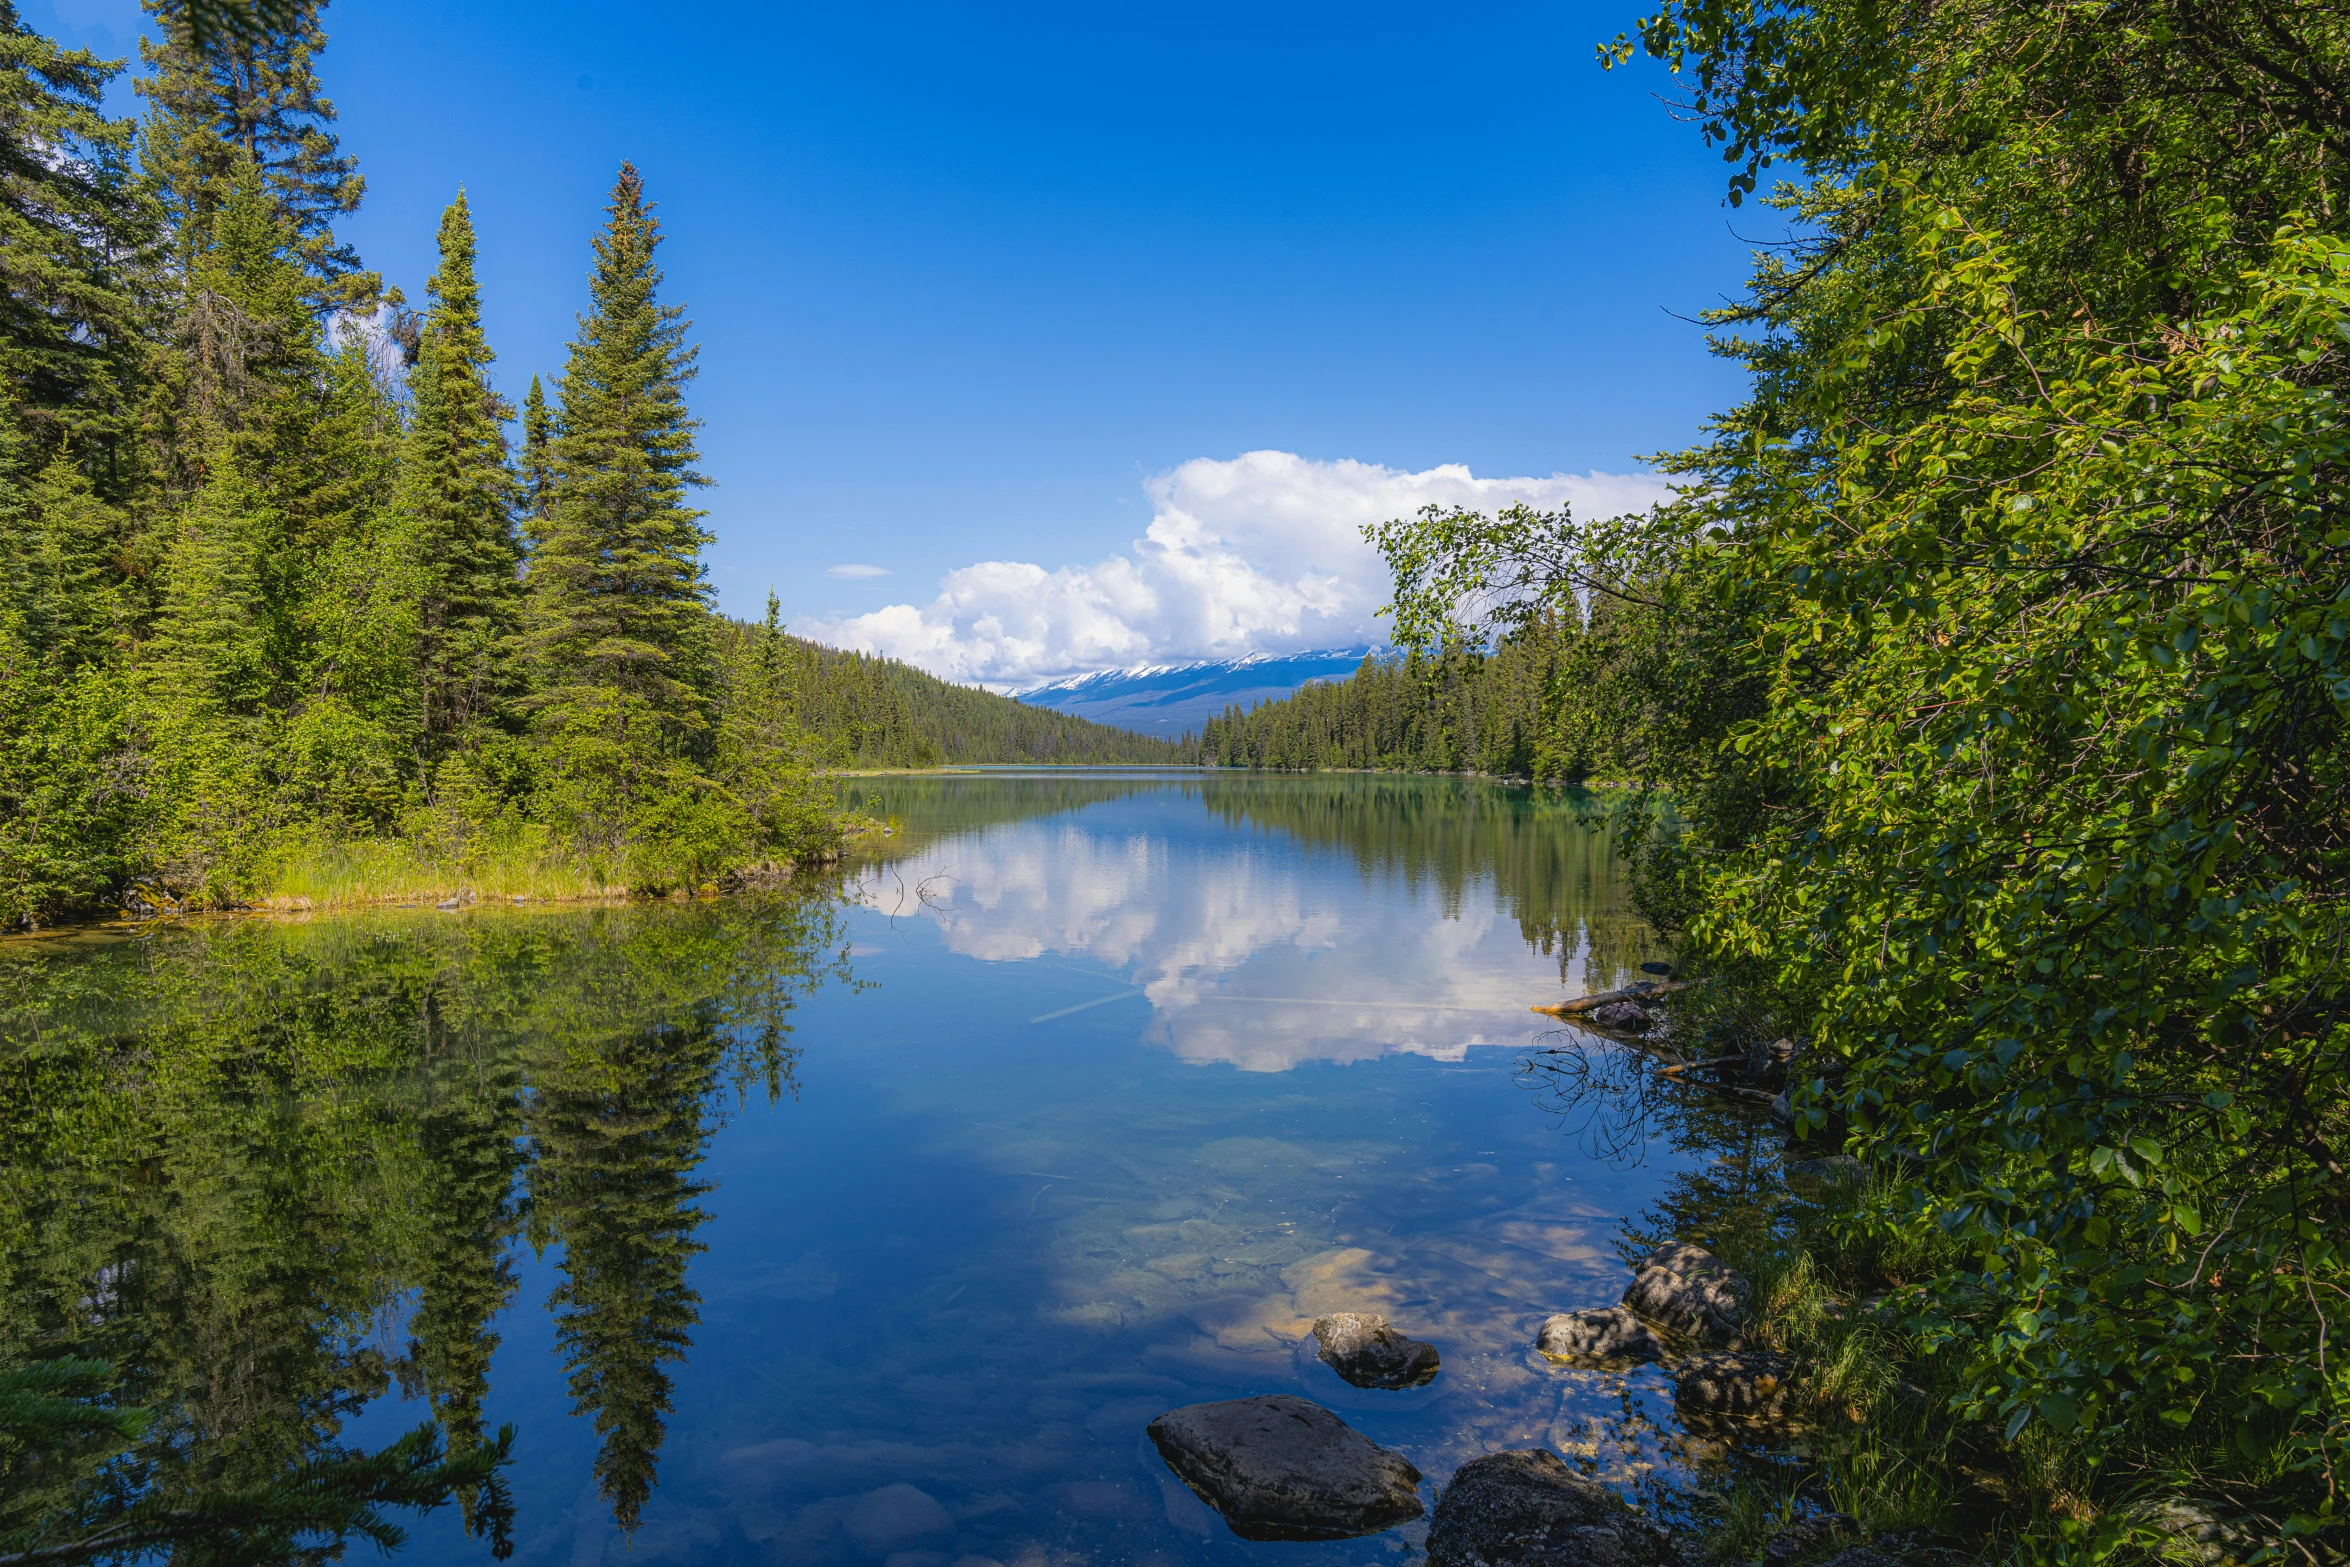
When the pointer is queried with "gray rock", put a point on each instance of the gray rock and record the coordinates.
(2191, 1532)
(1281, 1468)
(1528, 1509)
(1609, 1334)
(898, 1518)
(1628, 1017)
(1807, 1536)
(1369, 1353)
(1689, 1291)
(1748, 1386)
(1767, 1061)
(1660, 970)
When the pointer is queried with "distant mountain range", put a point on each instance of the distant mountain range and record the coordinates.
(1167, 699)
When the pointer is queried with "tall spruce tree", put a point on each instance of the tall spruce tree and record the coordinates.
(619, 601)
(253, 93)
(458, 495)
(75, 236)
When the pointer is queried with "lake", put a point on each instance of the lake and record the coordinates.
(871, 1220)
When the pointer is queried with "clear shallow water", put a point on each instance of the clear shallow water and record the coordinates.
(914, 1204)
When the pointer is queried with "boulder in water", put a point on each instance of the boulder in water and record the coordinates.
(898, 1518)
(1528, 1509)
(1689, 1291)
(1368, 1353)
(1607, 1334)
(1749, 1386)
(1628, 1017)
(1281, 1468)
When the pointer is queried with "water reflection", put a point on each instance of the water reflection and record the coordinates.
(1267, 922)
(271, 1169)
(771, 1264)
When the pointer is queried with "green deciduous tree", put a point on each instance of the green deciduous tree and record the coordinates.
(2021, 574)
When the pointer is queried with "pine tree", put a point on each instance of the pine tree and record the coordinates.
(617, 581)
(250, 363)
(458, 496)
(253, 95)
(74, 240)
(538, 461)
(63, 545)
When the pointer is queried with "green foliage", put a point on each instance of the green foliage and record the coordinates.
(457, 498)
(618, 625)
(249, 90)
(70, 317)
(862, 710)
(2019, 579)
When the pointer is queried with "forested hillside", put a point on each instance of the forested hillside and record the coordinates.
(284, 601)
(860, 710)
(1453, 709)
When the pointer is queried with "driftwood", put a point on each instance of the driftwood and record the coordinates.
(1640, 992)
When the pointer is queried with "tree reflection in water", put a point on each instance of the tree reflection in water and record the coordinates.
(1619, 1104)
(268, 1168)
(1726, 1192)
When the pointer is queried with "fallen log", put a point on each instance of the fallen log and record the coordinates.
(1640, 992)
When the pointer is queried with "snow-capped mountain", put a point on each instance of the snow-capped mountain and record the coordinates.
(1171, 698)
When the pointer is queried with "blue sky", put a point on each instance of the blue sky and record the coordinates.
(972, 282)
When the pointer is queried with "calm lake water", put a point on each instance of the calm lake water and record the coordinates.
(871, 1223)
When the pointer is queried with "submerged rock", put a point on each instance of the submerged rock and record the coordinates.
(1749, 1386)
(898, 1518)
(1607, 1334)
(1367, 1352)
(1281, 1468)
(1689, 1291)
(1660, 970)
(1628, 1017)
(1528, 1509)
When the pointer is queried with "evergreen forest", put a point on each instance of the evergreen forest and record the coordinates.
(861, 710)
(1455, 707)
(299, 605)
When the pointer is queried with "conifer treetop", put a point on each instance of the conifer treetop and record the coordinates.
(254, 93)
(618, 575)
(69, 315)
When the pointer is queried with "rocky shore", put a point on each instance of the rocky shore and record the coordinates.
(1279, 1467)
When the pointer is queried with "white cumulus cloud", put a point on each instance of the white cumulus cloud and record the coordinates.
(1259, 554)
